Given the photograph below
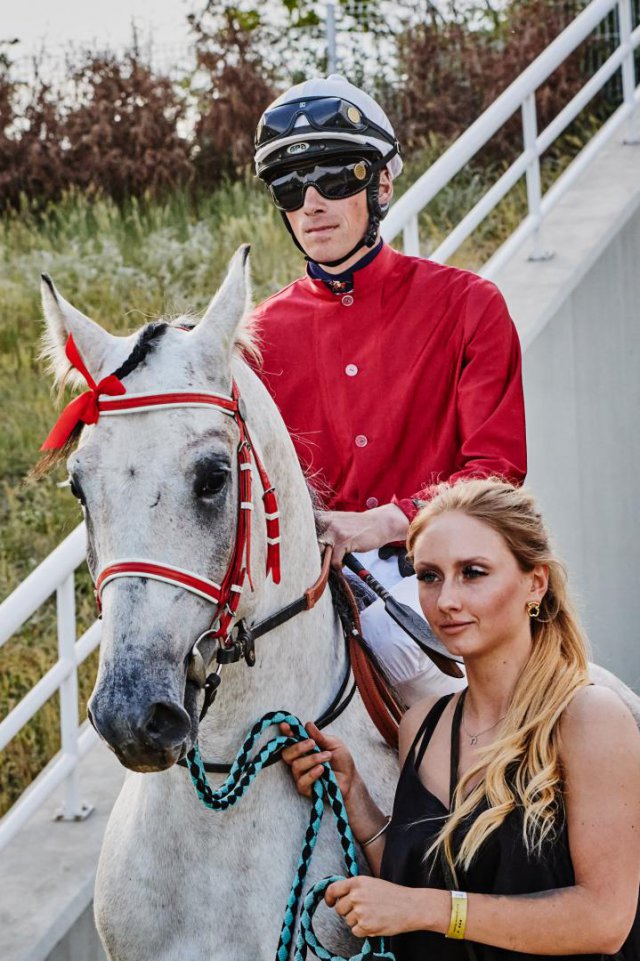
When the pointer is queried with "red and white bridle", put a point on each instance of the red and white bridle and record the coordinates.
(90, 405)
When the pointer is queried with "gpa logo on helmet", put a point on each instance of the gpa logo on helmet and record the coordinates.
(298, 147)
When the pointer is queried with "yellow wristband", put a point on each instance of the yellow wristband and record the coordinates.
(458, 922)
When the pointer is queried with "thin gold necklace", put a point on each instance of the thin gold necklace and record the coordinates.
(473, 738)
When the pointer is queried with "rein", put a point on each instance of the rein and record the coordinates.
(243, 772)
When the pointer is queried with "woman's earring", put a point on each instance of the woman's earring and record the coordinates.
(533, 608)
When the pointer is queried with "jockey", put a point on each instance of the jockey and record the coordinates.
(391, 372)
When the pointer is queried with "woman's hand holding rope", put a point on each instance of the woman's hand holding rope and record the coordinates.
(375, 908)
(307, 765)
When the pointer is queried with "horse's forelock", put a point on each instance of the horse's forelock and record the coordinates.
(146, 342)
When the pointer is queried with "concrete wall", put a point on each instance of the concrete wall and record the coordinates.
(81, 942)
(582, 386)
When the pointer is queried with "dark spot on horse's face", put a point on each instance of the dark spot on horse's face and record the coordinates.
(157, 500)
(132, 472)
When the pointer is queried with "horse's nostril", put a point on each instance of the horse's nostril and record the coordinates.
(166, 725)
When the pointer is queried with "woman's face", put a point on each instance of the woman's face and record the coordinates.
(472, 591)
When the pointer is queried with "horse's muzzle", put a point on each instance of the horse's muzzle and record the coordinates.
(151, 740)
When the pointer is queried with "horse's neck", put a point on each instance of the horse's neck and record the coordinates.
(300, 664)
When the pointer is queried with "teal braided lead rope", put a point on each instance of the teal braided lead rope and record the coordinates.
(373, 949)
(243, 772)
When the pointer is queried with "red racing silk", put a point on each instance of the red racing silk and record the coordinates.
(82, 409)
(411, 378)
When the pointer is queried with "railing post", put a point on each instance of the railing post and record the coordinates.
(330, 31)
(411, 237)
(625, 21)
(73, 809)
(534, 184)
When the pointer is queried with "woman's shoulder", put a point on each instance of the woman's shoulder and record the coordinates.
(595, 718)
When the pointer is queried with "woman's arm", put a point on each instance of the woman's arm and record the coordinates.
(600, 754)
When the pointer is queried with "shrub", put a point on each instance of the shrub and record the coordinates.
(236, 83)
(122, 132)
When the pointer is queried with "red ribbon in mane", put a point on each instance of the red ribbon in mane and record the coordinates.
(82, 409)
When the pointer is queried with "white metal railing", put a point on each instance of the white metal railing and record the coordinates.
(55, 574)
(521, 95)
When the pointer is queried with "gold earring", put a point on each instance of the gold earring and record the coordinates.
(533, 608)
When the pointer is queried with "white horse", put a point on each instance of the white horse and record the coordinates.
(177, 882)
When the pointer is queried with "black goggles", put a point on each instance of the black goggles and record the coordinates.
(324, 113)
(333, 181)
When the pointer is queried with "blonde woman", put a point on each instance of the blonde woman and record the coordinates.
(515, 832)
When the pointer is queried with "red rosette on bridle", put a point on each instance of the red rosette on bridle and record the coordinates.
(83, 409)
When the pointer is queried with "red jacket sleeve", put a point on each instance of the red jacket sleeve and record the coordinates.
(489, 397)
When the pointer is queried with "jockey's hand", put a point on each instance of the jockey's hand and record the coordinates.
(353, 531)
(374, 908)
(306, 765)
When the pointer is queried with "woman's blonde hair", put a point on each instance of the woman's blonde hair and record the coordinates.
(521, 768)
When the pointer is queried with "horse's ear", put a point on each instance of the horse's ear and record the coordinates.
(63, 319)
(221, 325)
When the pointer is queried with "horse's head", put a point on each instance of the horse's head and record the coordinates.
(162, 486)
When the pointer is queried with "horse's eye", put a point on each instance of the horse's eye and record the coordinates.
(76, 490)
(210, 482)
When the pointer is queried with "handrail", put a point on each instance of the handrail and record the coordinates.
(520, 95)
(38, 586)
(55, 574)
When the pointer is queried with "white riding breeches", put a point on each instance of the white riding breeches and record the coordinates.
(413, 673)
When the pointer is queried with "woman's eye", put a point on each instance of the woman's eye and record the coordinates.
(472, 572)
(210, 483)
(427, 577)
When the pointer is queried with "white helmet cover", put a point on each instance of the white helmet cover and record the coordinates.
(334, 86)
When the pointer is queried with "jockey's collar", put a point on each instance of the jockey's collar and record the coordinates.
(342, 283)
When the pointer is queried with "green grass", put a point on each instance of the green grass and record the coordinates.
(123, 267)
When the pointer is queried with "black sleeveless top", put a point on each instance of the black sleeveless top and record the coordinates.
(501, 866)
